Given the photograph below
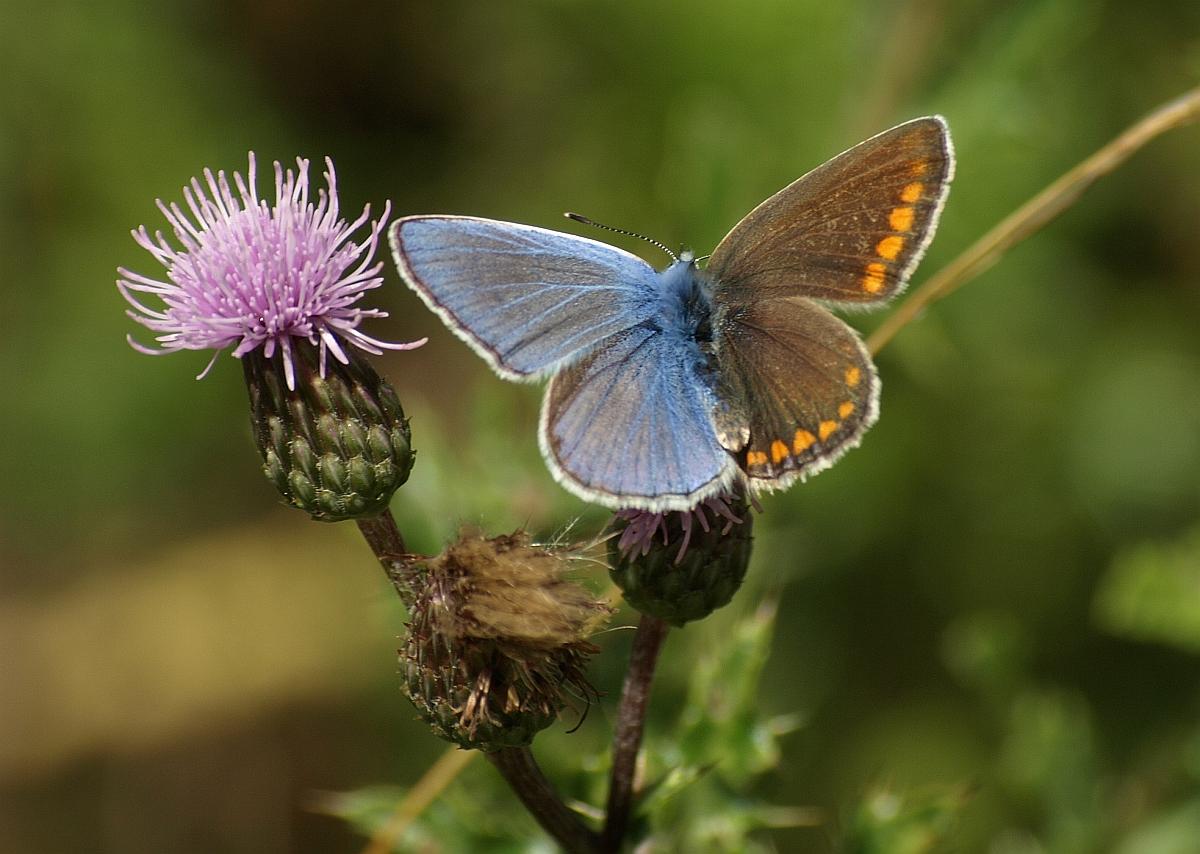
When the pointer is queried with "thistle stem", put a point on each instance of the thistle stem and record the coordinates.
(1036, 213)
(631, 722)
(521, 771)
(387, 542)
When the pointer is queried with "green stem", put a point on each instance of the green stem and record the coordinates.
(426, 790)
(387, 542)
(521, 771)
(631, 722)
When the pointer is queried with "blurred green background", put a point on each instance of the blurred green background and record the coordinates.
(998, 594)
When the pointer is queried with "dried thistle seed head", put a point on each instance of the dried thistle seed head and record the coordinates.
(498, 636)
(334, 442)
(680, 566)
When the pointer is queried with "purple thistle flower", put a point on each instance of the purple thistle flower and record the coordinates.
(251, 274)
(645, 526)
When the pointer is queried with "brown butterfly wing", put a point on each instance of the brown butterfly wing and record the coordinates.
(803, 388)
(851, 230)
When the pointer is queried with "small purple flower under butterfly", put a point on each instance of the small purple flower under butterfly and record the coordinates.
(645, 526)
(251, 274)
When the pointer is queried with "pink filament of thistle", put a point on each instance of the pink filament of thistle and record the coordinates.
(644, 526)
(252, 274)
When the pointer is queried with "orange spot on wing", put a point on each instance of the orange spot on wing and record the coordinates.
(890, 247)
(826, 429)
(845, 409)
(872, 282)
(901, 219)
(756, 458)
(779, 452)
(912, 192)
(803, 441)
(853, 375)
(918, 168)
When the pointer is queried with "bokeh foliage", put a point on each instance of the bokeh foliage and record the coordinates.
(987, 615)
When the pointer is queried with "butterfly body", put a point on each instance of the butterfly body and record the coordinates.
(667, 387)
(685, 297)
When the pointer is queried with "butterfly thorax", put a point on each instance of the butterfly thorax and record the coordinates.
(685, 302)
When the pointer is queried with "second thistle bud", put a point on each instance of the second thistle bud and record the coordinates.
(681, 566)
(336, 446)
(497, 635)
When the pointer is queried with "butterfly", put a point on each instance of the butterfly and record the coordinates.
(669, 387)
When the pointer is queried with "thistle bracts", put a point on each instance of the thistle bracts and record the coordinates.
(335, 446)
(681, 566)
(497, 635)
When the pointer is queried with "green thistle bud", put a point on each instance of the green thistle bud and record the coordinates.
(336, 446)
(681, 566)
(497, 634)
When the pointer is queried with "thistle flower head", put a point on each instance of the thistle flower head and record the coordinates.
(337, 445)
(682, 565)
(251, 274)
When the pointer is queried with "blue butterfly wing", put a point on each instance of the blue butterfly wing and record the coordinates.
(630, 425)
(527, 299)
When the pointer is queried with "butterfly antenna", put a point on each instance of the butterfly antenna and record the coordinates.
(650, 240)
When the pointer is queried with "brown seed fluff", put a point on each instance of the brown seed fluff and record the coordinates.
(498, 634)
